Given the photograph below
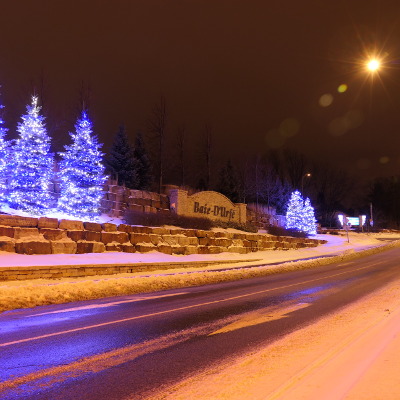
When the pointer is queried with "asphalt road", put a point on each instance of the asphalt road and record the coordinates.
(130, 347)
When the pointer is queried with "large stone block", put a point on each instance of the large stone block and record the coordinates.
(15, 220)
(155, 204)
(215, 249)
(70, 225)
(178, 250)
(128, 248)
(136, 238)
(63, 247)
(142, 229)
(7, 245)
(33, 247)
(204, 241)
(125, 228)
(119, 237)
(223, 242)
(143, 202)
(191, 250)
(114, 247)
(22, 233)
(107, 227)
(171, 240)
(90, 247)
(164, 248)
(219, 234)
(92, 236)
(53, 234)
(238, 249)
(189, 232)
(51, 223)
(136, 194)
(160, 231)
(135, 207)
(240, 236)
(155, 239)
(7, 231)
(145, 247)
(203, 250)
(183, 241)
(76, 235)
(92, 226)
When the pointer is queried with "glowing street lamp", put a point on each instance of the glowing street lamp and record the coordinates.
(373, 65)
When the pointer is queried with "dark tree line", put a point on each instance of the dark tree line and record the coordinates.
(180, 158)
(129, 164)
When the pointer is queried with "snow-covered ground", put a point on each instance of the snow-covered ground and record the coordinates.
(30, 293)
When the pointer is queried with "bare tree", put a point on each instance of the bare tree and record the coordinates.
(181, 145)
(207, 153)
(157, 128)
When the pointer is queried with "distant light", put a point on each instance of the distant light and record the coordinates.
(373, 65)
(342, 88)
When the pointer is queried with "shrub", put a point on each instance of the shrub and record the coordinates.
(247, 227)
(156, 219)
(280, 231)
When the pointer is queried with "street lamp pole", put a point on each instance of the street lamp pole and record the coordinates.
(302, 181)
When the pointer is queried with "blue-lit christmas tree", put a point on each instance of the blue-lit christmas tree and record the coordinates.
(31, 164)
(294, 213)
(309, 221)
(82, 173)
(4, 157)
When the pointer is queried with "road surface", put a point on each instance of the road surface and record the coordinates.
(132, 347)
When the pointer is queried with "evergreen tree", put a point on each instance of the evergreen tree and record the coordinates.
(228, 184)
(82, 173)
(294, 213)
(309, 221)
(4, 157)
(143, 163)
(32, 164)
(121, 161)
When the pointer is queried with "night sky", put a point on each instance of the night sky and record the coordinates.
(262, 74)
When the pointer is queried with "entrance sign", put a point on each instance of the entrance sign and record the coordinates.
(208, 204)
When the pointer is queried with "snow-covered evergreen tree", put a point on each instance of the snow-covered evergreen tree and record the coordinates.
(4, 157)
(309, 221)
(121, 161)
(81, 173)
(31, 164)
(143, 163)
(294, 213)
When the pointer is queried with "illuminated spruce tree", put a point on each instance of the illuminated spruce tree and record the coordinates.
(294, 213)
(81, 173)
(4, 157)
(309, 221)
(31, 164)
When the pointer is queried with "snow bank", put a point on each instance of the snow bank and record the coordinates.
(24, 294)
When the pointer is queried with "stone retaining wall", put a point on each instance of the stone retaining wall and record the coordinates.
(117, 199)
(26, 235)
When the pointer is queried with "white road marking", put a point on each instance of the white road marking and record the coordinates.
(133, 299)
(84, 328)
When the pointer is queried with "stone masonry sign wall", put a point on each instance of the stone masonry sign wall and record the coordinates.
(209, 204)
